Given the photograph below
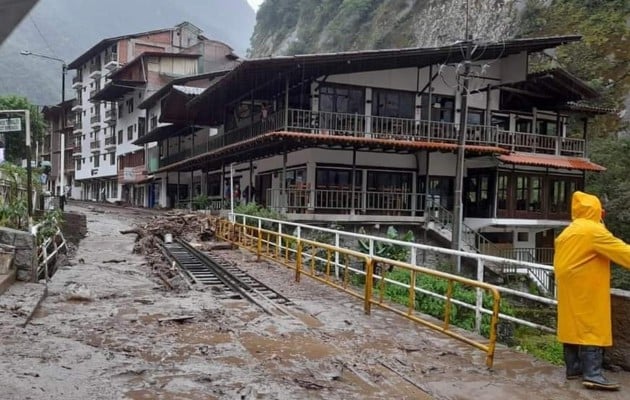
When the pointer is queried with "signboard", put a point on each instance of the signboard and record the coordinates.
(10, 125)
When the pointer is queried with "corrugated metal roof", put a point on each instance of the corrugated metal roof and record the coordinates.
(544, 160)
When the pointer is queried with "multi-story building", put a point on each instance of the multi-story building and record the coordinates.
(372, 137)
(113, 77)
(61, 121)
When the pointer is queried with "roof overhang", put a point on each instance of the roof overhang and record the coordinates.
(271, 74)
(553, 89)
(12, 12)
(161, 133)
(544, 160)
(274, 143)
(116, 90)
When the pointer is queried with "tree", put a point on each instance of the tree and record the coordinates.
(15, 143)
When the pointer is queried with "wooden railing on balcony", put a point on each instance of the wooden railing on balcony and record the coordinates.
(339, 124)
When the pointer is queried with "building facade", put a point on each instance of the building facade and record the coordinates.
(113, 77)
(372, 137)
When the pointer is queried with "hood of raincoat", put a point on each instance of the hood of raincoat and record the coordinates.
(586, 206)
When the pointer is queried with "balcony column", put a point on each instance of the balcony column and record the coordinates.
(368, 112)
(178, 183)
(191, 189)
(204, 183)
(414, 191)
(286, 104)
(311, 179)
(250, 194)
(283, 184)
(164, 192)
(354, 175)
(364, 191)
(558, 135)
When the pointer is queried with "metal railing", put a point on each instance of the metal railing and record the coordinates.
(303, 199)
(340, 124)
(110, 114)
(110, 141)
(95, 145)
(416, 252)
(345, 269)
(96, 118)
(47, 251)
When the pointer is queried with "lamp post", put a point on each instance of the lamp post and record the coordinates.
(64, 69)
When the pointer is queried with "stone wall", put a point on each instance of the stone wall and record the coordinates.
(620, 353)
(25, 252)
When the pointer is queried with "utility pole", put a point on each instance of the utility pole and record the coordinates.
(458, 211)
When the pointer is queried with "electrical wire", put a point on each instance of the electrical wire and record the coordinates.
(42, 36)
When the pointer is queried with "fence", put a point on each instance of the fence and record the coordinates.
(342, 268)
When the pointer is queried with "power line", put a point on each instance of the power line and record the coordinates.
(42, 36)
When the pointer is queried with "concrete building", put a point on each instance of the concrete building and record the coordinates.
(113, 77)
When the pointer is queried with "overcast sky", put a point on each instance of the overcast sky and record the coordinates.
(255, 4)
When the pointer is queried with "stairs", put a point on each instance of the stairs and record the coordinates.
(440, 221)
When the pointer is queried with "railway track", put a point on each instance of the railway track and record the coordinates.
(201, 268)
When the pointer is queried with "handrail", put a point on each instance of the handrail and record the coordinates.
(303, 256)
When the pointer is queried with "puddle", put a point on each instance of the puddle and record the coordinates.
(155, 394)
(288, 346)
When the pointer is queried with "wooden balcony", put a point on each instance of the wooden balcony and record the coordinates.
(328, 123)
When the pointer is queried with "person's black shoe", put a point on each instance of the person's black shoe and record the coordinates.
(592, 358)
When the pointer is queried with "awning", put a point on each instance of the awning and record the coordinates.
(116, 90)
(544, 160)
(273, 143)
(160, 133)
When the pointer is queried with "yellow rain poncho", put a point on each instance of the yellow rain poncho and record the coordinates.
(583, 252)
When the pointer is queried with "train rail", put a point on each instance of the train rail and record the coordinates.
(204, 269)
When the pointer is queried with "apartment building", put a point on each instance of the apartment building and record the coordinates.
(113, 77)
(58, 138)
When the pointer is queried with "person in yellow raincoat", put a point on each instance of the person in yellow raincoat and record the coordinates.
(583, 252)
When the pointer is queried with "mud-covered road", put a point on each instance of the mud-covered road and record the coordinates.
(110, 344)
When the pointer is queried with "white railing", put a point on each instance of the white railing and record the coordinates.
(48, 250)
(416, 253)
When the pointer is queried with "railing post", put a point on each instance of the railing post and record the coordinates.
(279, 241)
(259, 244)
(414, 256)
(369, 279)
(336, 256)
(298, 261)
(479, 299)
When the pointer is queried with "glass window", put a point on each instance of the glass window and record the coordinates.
(112, 158)
(120, 137)
(547, 127)
(522, 189)
(535, 198)
(328, 178)
(523, 125)
(502, 192)
(342, 99)
(475, 117)
(389, 103)
(97, 161)
(442, 108)
(130, 133)
(388, 181)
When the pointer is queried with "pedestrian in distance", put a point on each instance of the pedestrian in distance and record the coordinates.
(583, 252)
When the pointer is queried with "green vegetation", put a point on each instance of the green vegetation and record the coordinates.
(256, 210)
(49, 223)
(541, 345)
(13, 206)
(15, 144)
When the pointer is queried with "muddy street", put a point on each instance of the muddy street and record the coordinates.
(109, 329)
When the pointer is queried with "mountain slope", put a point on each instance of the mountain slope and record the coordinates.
(70, 27)
(313, 26)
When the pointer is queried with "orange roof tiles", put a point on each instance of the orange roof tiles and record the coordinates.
(544, 160)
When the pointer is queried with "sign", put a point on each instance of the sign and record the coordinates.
(10, 125)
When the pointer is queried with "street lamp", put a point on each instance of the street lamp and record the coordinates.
(64, 69)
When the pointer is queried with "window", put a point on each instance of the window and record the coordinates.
(523, 125)
(120, 110)
(130, 133)
(502, 192)
(475, 117)
(328, 178)
(141, 126)
(342, 99)
(388, 181)
(529, 193)
(389, 103)
(522, 236)
(114, 192)
(78, 164)
(153, 122)
(442, 108)
(120, 137)
(130, 105)
(522, 188)
(560, 192)
(112, 158)
(549, 128)
(97, 161)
